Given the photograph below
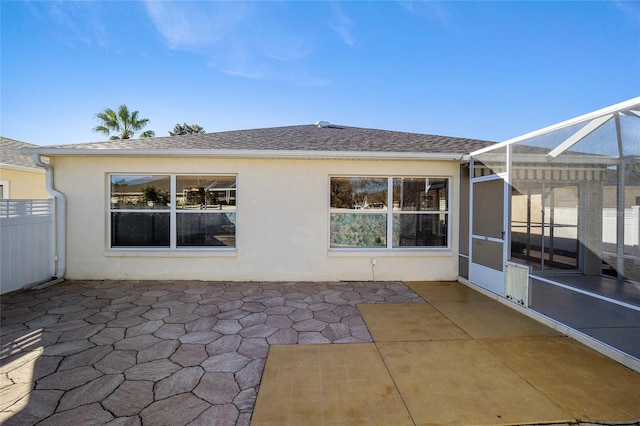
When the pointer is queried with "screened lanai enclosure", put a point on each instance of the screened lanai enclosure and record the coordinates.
(554, 224)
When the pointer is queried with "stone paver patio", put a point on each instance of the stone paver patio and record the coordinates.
(179, 353)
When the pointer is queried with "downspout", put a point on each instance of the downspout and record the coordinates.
(61, 223)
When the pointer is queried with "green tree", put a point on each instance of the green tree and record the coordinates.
(186, 129)
(124, 123)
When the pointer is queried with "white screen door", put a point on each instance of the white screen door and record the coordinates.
(487, 224)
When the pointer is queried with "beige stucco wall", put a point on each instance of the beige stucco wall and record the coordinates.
(24, 184)
(282, 223)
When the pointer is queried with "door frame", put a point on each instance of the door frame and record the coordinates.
(486, 277)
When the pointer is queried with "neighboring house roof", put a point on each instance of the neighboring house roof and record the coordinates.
(11, 159)
(290, 141)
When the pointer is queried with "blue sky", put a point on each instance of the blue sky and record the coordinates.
(486, 70)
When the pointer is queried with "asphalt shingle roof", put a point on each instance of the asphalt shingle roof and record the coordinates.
(7, 157)
(298, 138)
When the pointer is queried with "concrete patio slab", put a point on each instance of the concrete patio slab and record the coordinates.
(458, 382)
(408, 322)
(446, 291)
(604, 392)
(332, 384)
(492, 319)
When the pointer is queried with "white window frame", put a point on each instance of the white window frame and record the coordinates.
(5, 189)
(389, 212)
(173, 211)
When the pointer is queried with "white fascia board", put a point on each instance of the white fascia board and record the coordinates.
(293, 154)
(33, 169)
(631, 104)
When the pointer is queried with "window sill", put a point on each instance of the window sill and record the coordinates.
(435, 252)
(141, 252)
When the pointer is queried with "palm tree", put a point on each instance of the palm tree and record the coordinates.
(185, 129)
(123, 122)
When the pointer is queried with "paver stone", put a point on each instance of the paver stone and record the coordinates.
(87, 415)
(156, 314)
(125, 421)
(163, 349)
(274, 301)
(252, 306)
(279, 310)
(250, 375)
(201, 324)
(147, 327)
(217, 388)
(345, 311)
(32, 408)
(310, 325)
(189, 355)
(126, 322)
(233, 314)
(13, 393)
(181, 318)
(301, 315)
(279, 321)
(230, 305)
(87, 357)
(336, 331)
(224, 344)
(228, 326)
(245, 400)
(326, 316)
(117, 362)
(183, 380)
(311, 337)
(253, 319)
(200, 337)
(94, 391)
(101, 317)
(65, 326)
(228, 362)
(286, 336)
(177, 410)
(68, 379)
(108, 336)
(130, 398)
(136, 343)
(258, 330)
(43, 321)
(152, 370)
(254, 347)
(170, 331)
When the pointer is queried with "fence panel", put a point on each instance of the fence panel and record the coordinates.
(27, 246)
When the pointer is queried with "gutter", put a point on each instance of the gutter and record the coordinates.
(61, 225)
(246, 153)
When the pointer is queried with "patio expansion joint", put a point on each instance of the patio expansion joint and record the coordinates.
(393, 379)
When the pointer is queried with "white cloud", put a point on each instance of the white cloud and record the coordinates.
(341, 24)
(238, 39)
(631, 9)
(432, 10)
(78, 22)
(186, 25)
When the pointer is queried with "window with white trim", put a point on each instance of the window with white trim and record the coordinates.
(172, 211)
(364, 213)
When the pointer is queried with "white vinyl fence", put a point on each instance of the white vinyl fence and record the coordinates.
(631, 226)
(27, 232)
